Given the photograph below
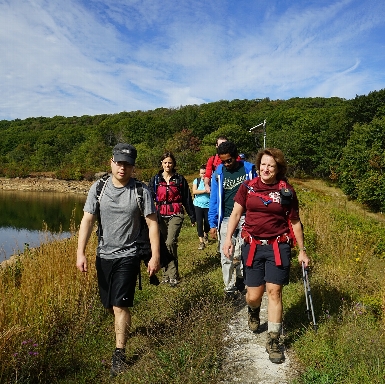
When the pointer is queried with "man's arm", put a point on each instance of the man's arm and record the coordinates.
(153, 232)
(213, 207)
(85, 231)
(235, 216)
(208, 174)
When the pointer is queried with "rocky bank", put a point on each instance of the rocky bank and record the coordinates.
(45, 184)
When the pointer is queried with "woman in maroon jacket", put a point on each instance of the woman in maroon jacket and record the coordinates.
(272, 226)
(172, 197)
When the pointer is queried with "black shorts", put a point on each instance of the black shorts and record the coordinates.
(264, 270)
(117, 280)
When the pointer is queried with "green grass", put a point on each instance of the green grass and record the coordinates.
(347, 288)
(53, 328)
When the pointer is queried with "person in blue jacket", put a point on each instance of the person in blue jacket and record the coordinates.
(225, 182)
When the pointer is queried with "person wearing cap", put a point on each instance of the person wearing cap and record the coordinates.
(117, 261)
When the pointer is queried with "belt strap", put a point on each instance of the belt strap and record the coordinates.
(253, 246)
(250, 256)
(277, 254)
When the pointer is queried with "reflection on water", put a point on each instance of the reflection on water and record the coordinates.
(24, 216)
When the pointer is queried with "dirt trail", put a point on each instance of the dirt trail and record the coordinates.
(246, 359)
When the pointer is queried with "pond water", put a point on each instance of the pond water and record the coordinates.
(30, 218)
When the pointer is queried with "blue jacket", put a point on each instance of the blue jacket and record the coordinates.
(216, 195)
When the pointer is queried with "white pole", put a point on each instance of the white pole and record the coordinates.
(263, 125)
(264, 133)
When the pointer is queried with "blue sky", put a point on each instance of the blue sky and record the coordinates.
(78, 57)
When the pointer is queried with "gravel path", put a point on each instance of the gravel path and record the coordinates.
(246, 358)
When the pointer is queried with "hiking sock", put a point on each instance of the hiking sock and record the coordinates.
(274, 327)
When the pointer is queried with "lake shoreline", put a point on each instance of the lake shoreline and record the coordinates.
(45, 184)
(41, 184)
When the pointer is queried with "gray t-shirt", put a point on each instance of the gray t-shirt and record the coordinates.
(120, 217)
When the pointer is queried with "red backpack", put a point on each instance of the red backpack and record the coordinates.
(169, 196)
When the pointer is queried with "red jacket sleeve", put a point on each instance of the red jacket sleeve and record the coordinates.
(209, 167)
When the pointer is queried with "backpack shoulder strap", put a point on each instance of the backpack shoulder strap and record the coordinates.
(100, 187)
(178, 180)
(139, 195)
(156, 183)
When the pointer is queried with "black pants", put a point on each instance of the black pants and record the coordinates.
(202, 220)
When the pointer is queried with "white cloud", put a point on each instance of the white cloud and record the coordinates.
(106, 56)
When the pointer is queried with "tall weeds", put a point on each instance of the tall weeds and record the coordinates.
(54, 329)
(348, 289)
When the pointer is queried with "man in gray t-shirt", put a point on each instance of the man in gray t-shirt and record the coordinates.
(117, 261)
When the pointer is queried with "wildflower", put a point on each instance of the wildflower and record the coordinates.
(358, 259)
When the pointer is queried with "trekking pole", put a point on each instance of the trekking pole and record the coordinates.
(309, 301)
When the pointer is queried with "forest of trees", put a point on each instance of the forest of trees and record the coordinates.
(329, 138)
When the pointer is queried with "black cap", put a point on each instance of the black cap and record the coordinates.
(124, 152)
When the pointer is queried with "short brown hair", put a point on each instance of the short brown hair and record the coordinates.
(279, 158)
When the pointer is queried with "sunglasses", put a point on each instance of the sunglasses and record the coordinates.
(121, 163)
(227, 161)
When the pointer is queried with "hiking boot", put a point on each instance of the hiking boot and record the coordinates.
(253, 319)
(118, 362)
(201, 246)
(173, 282)
(273, 348)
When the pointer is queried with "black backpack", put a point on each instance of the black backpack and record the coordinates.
(143, 241)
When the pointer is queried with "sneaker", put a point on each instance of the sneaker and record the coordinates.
(165, 280)
(239, 283)
(205, 239)
(201, 246)
(118, 362)
(253, 319)
(173, 282)
(273, 348)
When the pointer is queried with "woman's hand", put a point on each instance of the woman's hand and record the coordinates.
(303, 258)
(228, 248)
